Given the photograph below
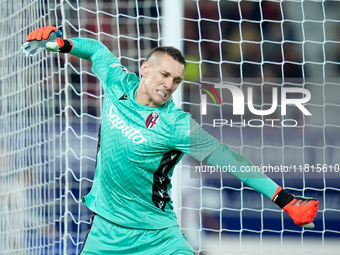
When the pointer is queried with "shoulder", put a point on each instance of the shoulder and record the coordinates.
(178, 122)
(118, 77)
(173, 115)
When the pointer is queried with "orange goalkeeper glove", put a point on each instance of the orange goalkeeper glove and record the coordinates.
(302, 210)
(64, 46)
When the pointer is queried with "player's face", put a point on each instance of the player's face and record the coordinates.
(161, 76)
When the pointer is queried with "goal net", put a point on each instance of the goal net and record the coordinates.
(281, 56)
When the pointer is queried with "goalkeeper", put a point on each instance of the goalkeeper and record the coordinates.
(142, 137)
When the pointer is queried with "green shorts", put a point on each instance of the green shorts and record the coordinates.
(105, 237)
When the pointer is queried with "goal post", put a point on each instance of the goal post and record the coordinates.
(171, 35)
(279, 57)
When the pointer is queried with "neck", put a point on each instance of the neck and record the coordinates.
(142, 99)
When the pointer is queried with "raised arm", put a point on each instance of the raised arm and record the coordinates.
(91, 50)
(96, 52)
(84, 48)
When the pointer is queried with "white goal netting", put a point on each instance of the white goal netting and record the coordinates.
(50, 110)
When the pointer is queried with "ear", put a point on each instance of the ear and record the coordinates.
(144, 69)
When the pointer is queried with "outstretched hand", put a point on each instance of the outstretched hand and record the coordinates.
(43, 34)
(302, 210)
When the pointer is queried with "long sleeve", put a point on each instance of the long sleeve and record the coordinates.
(104, 63)
(224, 156)
(91, 50)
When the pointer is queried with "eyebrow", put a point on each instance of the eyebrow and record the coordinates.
(176, 78)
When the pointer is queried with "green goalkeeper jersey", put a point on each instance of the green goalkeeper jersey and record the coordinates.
(138, 147)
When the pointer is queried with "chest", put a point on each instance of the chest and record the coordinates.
(127, 127)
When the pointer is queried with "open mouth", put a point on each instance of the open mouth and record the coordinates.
(161, 93)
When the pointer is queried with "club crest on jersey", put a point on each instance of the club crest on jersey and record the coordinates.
(151, 120)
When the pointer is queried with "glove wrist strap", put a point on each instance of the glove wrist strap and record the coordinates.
(282, 198)
(67, 47)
